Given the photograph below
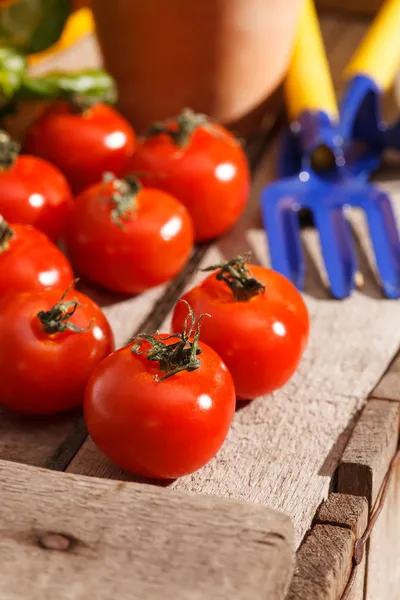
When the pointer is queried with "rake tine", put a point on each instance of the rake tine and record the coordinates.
(283, 231)
(384, 236)
(337, 248)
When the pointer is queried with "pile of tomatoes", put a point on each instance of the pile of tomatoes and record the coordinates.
(129, 212)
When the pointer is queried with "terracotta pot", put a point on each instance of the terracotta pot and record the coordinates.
(220, 57)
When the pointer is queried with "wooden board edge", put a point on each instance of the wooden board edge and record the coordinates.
(388, 387)
(324, 560)
(370, 449)
(51, 521)
(349, 512)
(362, 471)
(323, 564)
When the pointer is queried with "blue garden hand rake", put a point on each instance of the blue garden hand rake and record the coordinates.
(324, 183)
(368, 76)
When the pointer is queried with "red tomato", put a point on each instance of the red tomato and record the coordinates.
(29, 261)
(152, 422)
(49, 345)
(202, 165)
(259, 324)
(34, 192)
(82, 145)
(127, 238)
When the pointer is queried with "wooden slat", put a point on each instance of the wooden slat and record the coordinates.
(349, 512)
(323, 564)
(361, 471)
(344, 510)
(74, 538)
(388, 387)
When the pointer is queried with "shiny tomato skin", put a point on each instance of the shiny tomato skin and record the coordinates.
(31, 262)
(160, 430)
(261, 340)
(210, 176)
(35, 192)
(43, 373)
(83, 146)
(147, 249)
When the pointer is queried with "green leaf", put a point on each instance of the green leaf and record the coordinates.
(12, 69)
(33, 25)
(94, 84)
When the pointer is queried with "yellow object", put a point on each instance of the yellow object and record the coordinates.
(378, 55)
(79, 24)
(308, 84)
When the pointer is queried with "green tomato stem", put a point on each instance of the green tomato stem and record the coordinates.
(187, 123)
(125, 192)
(9, 151)
(237, 276)
(177, 357)
(57, 319)
(6, 233)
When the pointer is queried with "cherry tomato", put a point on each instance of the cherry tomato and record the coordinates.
(259, 324)
(160, 419)
(49, 344)
(199, 163)
(35, 192)
(127, 238)
(83, 145)
(29, 261)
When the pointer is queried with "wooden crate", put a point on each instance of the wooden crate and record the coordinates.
(300, 469)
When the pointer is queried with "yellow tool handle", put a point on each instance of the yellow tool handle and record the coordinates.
(378, 55)
(308, 84)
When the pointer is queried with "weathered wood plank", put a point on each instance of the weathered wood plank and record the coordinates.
(361, 471)
(349, 512)
(388, 387)
(344, 510)
(323, 564)
(372, 445)
(99, 539)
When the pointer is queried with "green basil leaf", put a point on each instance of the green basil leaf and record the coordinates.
(95, 84)
(12, 69)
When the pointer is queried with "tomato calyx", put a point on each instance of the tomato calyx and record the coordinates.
(6, 233)
(57, 319)
(9, 150)
(187, 122)
(79, 104)
(124, 196)
(238, 278)
(179, 356)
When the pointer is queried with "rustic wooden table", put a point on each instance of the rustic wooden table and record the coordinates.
(300, 469)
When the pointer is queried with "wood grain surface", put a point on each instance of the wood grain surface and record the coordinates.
(348, 512)
(323, 564)
(388, 387)
(71, 538)
(362, 469)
